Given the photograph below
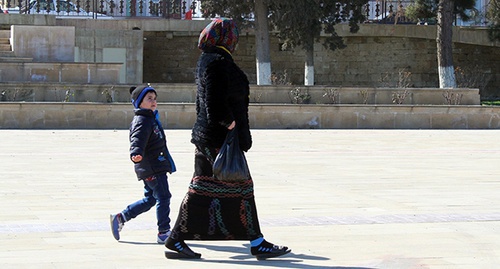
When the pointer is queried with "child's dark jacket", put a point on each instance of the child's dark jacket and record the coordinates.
(147, 139)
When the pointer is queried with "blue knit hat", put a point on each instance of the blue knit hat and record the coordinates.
(138, 93)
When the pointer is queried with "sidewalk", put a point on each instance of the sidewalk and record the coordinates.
(339, 198)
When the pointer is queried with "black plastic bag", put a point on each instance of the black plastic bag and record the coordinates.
(230, 163)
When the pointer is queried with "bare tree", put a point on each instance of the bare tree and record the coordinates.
(494, 16)
(445, 10)
(444, 44)
(263, 55)
(300, 23)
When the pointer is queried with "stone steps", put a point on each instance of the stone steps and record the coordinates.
(91, 115)
(59, 72)
(12, 59)
(186, 93)
(4, 34)
(4, 47)
(29, 64)
(5, 40)
(7, 55)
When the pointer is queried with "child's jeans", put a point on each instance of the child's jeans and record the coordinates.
(155, 192)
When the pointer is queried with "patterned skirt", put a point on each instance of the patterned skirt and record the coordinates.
(216, 210)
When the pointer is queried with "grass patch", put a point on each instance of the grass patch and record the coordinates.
(491, 103)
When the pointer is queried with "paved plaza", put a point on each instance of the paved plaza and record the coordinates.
(338, 198)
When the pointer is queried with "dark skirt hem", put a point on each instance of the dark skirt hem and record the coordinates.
(216, 210)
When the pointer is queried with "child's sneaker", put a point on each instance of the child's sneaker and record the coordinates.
(117, 221)
(162, 237)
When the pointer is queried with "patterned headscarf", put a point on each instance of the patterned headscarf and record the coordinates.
(220, 32)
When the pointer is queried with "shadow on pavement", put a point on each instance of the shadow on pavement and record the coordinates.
(139, 243)
(291, 260)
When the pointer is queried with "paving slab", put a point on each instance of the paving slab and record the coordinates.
(338, 198)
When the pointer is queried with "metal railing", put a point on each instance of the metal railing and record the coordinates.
(169, 9)
(376, 11)
(382, 11)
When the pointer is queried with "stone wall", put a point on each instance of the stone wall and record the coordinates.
(278, 94)
(164, 51)
(112, 46)
(85, 106)
(43, 43)
(368, 61)
(59, 115)
(94, 41)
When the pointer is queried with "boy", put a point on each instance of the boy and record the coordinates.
(152, 161)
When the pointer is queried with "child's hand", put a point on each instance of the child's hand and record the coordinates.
(233, 124)
(136, 158)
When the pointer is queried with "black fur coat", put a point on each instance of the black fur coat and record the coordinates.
(222, 96)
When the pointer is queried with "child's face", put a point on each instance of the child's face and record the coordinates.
(149, 101)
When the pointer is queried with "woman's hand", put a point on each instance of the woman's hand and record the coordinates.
(233, 124)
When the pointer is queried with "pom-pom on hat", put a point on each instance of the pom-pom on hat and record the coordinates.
(138, 93)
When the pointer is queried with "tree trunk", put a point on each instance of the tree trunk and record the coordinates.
(445, 44)
(262, 43)
(309, 68)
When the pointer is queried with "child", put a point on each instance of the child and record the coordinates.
(152, 161)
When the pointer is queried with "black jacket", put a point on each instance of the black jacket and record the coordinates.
(222, 96)
(147, 139)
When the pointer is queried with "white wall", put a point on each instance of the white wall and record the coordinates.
(44, 43)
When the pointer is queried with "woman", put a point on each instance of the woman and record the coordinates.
(214, 209)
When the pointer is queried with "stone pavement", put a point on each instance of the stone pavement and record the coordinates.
(338, 198)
